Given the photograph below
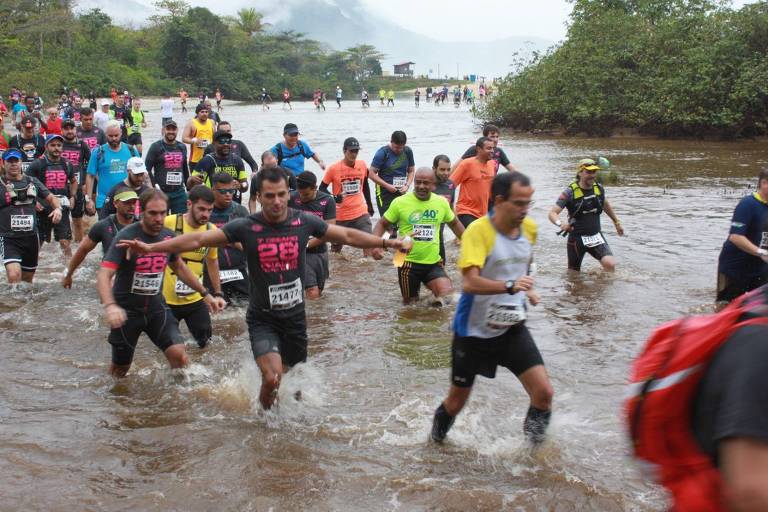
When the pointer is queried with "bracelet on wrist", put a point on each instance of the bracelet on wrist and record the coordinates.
(218, 294)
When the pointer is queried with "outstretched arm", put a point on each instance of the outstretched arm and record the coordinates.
(179, 244)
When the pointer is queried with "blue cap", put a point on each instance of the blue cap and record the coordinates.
(53, 136)
(12, 153)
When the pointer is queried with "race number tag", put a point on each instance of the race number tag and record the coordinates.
(399, 181)
(202, 143)
(146, 283)
(173, 178)
(285, 296)
(181, 289)
(501, 316)
(64, 201)
(351, 187)
(593, 240)
(423, 232)
(227, 276)
(22, 222)
(121, 121)
(25, 166)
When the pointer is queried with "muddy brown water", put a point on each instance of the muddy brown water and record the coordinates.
(71, 438)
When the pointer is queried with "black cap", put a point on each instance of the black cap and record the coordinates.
(200, 107)
(170, 122)
(306, 179)
(222, 137)
(68, 122)
(351, 143)
(290, 129)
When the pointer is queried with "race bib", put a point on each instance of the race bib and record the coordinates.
(502, 316)
(181, 289)
(64, 201)
(593, 240)
(227, 276)
(173, 178)
(764, 240)
(121, 121)
(25, 166)
(22, 222)
(202, 143)
(423, 232)
(285, 296)
(146, 283)
(399, 181)
(351, 187)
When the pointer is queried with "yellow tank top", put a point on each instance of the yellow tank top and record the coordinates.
(204, 134)
(175, 291)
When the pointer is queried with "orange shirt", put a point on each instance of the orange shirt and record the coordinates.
(474, 180)
(348, 181)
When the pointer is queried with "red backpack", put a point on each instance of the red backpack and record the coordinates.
(659, 401)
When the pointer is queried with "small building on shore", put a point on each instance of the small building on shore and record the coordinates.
(404, 69)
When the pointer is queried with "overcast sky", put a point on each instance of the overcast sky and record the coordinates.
(449, 20)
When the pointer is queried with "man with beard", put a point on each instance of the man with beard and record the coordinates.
(30, 145)
(136, 180)
(236, 147)
(221, 160)
(168, 169)
(121, 113)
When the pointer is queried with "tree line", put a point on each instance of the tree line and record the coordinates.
(670, 68)
(47, 45)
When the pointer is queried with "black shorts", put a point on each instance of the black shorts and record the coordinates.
(61, 231)
(470, 356)
(197, 318)
(134, 139)
(728, 287)
(286, 336)
(160, 325)
(411, 275)
(384, 198)
(466, 219)
(22, 250)
(316, 270)
(78, 209)
(577, 250)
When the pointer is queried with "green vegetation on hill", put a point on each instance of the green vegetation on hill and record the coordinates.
(47, 46)
(664, 67)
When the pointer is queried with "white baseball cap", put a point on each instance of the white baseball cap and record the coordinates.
(136, 165)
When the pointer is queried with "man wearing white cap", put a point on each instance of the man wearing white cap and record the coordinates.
(101, 117)
(136, 181)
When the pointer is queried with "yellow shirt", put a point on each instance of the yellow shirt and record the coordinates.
(177, 293)
(204, 135)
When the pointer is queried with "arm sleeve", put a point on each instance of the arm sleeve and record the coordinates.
(96, 233)
(92, 170)
(245, 154)
(564, 198)
(741, 217)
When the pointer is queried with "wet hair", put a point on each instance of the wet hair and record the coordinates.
(201, 193)
(223, 178)
(226, 123)
(271, 174)
(150, 195)
(440, 158)
(762, 176)
(266, 153)
(86, 111)
(481, 141)
(489, 129)
(398, 137)
(502, 183)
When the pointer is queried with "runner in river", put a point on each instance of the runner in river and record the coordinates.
(585, 200)
(382, 96)
(348, 179)
(19, 238)
(419, 215)
(417, 97)
(77, 153)
(166, 163)
(218, 96)
(183, 97)
(60, 178)
(134, 303)
(265, 99)
(198, 134)
(338, 96)
(137, 123)
(185, 303)
(489, 325)
(391, 98)
(392, 170)
(499, 156)
(364, 99)
(137, 179)
(308, 199)
(287, 99)
(292, 152)
(104, 231)
(233, 267)
(121, 113)
(743, 261)
(236, 147)
(275, 242)
(474, 176)
(441, 165)
(30, 145)
(221, 160)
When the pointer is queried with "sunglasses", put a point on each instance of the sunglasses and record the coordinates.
(590, 172)
(225, 190)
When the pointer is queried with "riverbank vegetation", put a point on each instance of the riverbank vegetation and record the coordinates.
(46, 45)
(671, 68)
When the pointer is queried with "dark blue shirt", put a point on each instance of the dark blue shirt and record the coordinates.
(750, 219)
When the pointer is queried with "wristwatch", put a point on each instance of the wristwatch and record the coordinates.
(510, 286)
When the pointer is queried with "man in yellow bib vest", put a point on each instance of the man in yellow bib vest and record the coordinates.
(198, 134)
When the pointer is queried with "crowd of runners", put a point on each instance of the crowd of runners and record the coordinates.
(178, 244)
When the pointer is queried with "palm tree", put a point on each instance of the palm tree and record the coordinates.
(362, 60)
(249, 20)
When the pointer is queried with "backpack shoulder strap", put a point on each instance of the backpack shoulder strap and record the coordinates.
(179, 224)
